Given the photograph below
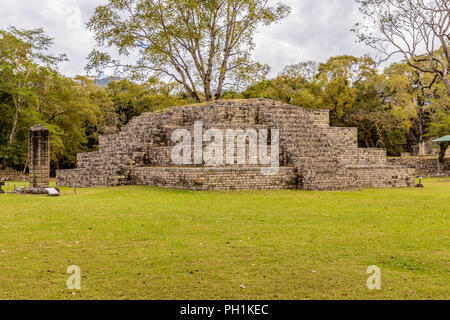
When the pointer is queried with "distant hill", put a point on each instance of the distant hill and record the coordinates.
(104, 81)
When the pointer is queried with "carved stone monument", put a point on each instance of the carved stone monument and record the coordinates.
(39, 157)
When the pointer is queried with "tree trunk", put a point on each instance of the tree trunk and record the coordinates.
(443, 151)
(444, 74)
(420, 124)
(207, 88)
(195, 96)
(3, 164)
(447, 83)
(25, 167)
(422, 151)
(12, 136)
(222, 75)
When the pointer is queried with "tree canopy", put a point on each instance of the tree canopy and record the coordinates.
(205, 46)
(419, 30)
(395, 109)
(75, 110)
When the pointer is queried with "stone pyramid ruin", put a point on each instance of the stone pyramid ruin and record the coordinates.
(313, 155)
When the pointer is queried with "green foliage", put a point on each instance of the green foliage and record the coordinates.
(24, 65)
(342, 79)
(378, 126)
(439, 104)
(295, 85)
(76, 111)
(130, 99)
(393, 110)
(32, 92)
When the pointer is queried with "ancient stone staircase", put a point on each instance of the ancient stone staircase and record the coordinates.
(314, 156)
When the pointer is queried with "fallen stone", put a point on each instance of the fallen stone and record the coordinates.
(52, 192)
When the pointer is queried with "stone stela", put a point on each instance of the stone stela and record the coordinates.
(313, 155)
(38, 162)
(39, 157)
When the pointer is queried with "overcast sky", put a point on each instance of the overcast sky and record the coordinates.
(316, 30)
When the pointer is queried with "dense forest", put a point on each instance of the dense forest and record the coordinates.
(393, 109)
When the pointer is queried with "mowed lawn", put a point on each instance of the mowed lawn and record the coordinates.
(150, 243)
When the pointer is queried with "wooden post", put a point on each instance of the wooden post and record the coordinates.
(439, 168)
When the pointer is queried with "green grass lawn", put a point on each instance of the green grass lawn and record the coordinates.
(150, 243)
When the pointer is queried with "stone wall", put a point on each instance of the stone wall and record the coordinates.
(314, 156)
(202, 179)
(426, 167)
(381, 176)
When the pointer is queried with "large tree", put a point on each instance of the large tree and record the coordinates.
(419, 30)
(204, 45)
(420, 95)
(22, 55)
(339, 78)
(33, 92)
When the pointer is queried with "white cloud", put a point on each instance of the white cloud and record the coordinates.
(316, 30)
(64, 20)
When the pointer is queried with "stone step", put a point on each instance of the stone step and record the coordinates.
(221, 178)
(162, 157)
